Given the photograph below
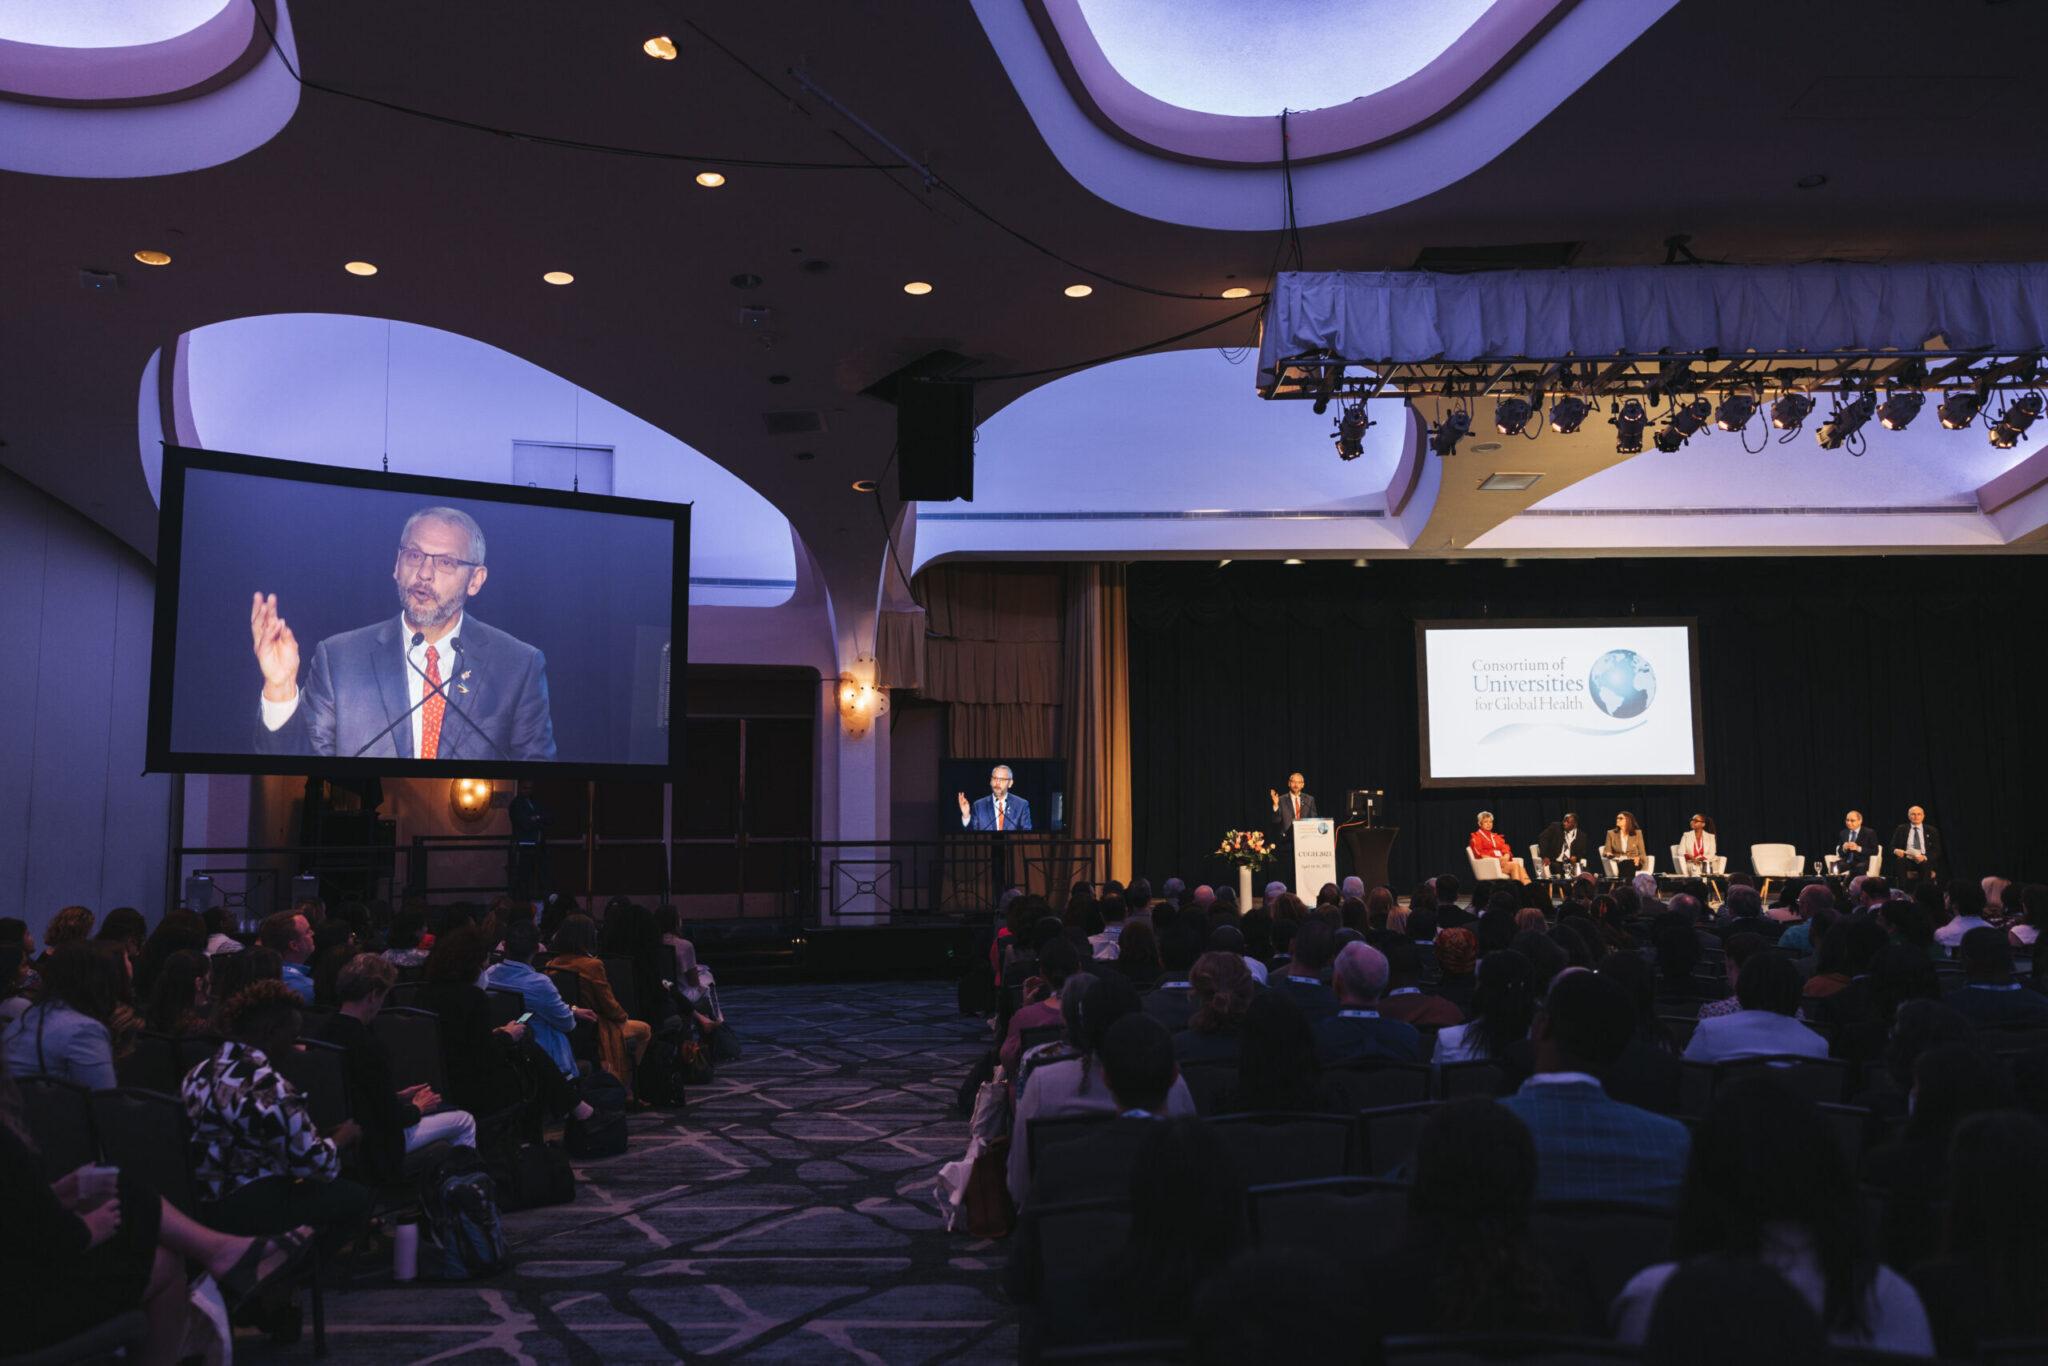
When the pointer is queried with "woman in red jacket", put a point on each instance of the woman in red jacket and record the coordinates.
(1486, 844)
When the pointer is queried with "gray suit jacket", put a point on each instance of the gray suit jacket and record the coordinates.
(357, 687)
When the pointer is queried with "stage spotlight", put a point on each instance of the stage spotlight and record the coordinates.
(1667, 439)
(1628, 426)
(1960, 409)
(1510, 415)
(1567, 413)
(2012, 424)
(1789, 412)
(1845, 421)
(1735, 412)
(1449, 432)
(1351, 432)
(1899, 408)
(1688, 418)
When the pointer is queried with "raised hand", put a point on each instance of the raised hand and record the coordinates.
(1274, 793)
(965, 809)
(277, 649)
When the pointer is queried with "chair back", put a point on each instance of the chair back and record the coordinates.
(413, 1039)
(1473, 1077)
(59, 1118)
(1208, 1080)
(1387, 1135)
(1076, 1240)
(625, 984)
(403, 993)
(1483, 869)
(1818, 1079)
(1031, 1038)
(1852, 1125)
(1274, 1147)
(1344, 1222)
(1775, 860)
(1371, 1083)
(152, 1064)
(194, 1049)
(1042, 1136)
(147, 1135)
(1092, 1162)
(1680, 1028)
(318, 1070)
(505, 1006)
(569, 984)
(1615, 1240)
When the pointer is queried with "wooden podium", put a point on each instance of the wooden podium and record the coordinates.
(1368, 846)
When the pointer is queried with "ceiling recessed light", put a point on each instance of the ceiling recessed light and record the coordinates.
(1290, 561)
(917, 287)
(1078, 291)
(559, 277)
(1358, 564)
(1237, 292)
(359, 268)
(864, 486)
(710, 180)
(153, 258)
(662, 48)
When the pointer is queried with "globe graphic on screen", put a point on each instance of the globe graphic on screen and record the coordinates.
(1622, 683)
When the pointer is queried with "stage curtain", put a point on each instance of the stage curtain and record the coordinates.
(1095, 710)
(992, 654)
(899, 647)
(1826, 683)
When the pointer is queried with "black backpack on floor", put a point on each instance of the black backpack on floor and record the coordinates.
(531, 1175)
(662, 1078)
(604, 1133)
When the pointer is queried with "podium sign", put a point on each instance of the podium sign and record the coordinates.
(1315, 857)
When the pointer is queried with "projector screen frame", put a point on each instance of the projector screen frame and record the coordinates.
(160, 757)
(1428, 782)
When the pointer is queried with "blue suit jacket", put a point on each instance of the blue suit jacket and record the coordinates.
(1590, 1146)
(357, 687)
(1016, 813)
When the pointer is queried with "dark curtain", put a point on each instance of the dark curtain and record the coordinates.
(1827, 683)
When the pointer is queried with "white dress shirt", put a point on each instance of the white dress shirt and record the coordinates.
(1952, 933)
(1752, 1034)
(275, 714)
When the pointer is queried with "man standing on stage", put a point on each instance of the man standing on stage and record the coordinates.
(1854, 846)
(999, 810)
(1916, 847)
(1296, 805)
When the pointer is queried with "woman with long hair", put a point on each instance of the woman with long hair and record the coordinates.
(1187, 1221)
(1766, 1180)
(179, 1004)
(629, 932)
(1223, 989)
(620, 1038)
(1624, 844)
(69, 1033)
(1138, 954)
(1503, 1004)
(1276, 1062)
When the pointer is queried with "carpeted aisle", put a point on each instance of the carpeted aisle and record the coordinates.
(785, 1215)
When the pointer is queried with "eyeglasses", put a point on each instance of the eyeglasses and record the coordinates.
(410, 561)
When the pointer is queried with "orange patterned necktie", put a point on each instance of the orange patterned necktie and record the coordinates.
(430, 714)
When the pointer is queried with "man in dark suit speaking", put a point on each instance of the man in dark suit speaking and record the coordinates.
(435, 684)
(999, 810)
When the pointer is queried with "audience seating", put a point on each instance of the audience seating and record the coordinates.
(625, 985)
(1388, 1133)
(1528, 1349)
(1717, 865)
(153, 1064)
(147, 1135)
(1483, 869)
(1680, 1028)
(1208, 1081)
(1275, 1146)
(59, 1116)
(582, 1039)
(1076, 1241)
(505, 1005)
(1039, 1034)
(1820, 1079)
(402, 994)
(414, 1040)
(1616, 1240)
(1345, 1222)
(1368, 1084)
(1852, 1125)
(1476, 1077)
(319, 1071)
(1776, 860)
(1076, 1176)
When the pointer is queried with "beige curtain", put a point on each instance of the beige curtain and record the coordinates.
(992, 654)
(1095, 711)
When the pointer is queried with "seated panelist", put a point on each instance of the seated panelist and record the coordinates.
(1696, 849)
(1624, 844)
(1487, 844)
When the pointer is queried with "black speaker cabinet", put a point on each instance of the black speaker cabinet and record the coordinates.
(934, 441)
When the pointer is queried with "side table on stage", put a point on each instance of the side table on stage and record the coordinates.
(1368, 846)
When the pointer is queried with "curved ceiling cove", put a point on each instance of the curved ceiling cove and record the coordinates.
(102, 23)
(1225, 57)
(335, 389)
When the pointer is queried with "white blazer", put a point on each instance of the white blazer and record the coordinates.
(1752, 1034)
(1684, 843)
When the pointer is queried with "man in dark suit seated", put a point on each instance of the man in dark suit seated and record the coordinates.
(1358, 1032)
(1315, 944)
(1990, 997)
(1172, 1002)
(1590, 1146)
(1916, 848)
(1854, 844)
(434, 684)
(1563, 843)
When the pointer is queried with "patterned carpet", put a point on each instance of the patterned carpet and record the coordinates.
(785, 1215)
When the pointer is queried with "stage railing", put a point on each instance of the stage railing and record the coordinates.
(799, 882)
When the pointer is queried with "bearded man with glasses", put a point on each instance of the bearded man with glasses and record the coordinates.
(432, 683)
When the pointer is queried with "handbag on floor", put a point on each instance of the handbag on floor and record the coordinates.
(604, 1133)
(531, 1175)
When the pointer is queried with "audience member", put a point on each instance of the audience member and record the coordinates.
(1768, 992)
(1766, 1181)
(1812, 914)
(180, 931)
(1405, 999)
(1187, 1222)
(1648, 1073)
(1990, 997)
(1950, 1084)
(1739, 948)
(485, 1066)
(1306, 980)
(288, 935)
(1966, 910)
(1994, 1262)
(1590, 1146)
(1172, 1001)
(1503, 1004)
(1223, 990)
(1276, 1062)
(1692, 1325)
(1457, 949)
(630, 933)
(72, 925)
(125, 928)
(1057, 961)
(68, 1032)
(180, 1003)
(1137, 955)
(620, 1039)
(393, 1121)
(1359, 1031)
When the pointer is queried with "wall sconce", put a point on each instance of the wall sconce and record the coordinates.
(470, 799)
(861, 700)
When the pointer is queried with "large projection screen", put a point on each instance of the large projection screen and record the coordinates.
(555, 620)
(1559, 703)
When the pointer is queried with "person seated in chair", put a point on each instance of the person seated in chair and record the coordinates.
(1315, 943)
(1486, 844)
(1990, 998)
(1767, 987)
(1358, 1031)
(1172, 1001)
(395, 1121)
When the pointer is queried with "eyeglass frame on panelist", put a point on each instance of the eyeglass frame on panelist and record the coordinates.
(442, 563)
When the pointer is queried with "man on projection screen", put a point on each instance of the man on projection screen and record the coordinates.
(434, 684)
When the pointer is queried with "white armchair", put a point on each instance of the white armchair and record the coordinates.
(1716, 865)
(1776, 860)
(1483, 869)
(1608, 865)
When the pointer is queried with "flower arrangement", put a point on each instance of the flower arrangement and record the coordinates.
(1247, 848)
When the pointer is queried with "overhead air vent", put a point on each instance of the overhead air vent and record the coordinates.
(794, 422)
(1506, 256)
